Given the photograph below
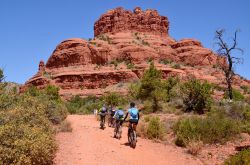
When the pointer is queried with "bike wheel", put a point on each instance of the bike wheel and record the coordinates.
(132, 139)
(109, 122)
(119, 132)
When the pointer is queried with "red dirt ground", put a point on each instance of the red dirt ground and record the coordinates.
(88, 144)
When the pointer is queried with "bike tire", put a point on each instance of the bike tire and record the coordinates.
(120, 132)
(133, 139)
(109, 122)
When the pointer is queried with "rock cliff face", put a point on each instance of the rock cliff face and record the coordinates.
(120, 20)
(119, 53)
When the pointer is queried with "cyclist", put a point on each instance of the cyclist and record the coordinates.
(134, 115)
(102, 113)
(119, 115)
(111, 113)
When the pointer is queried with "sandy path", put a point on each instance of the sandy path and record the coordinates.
(87, 144)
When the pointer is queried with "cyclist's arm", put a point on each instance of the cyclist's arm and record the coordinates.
(115, 114)
(126, 116)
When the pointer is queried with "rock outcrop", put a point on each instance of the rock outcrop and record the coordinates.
(120, 20)
(124, 43)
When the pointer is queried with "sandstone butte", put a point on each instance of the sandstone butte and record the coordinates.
(124, 42)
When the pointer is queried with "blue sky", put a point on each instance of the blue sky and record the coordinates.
(31, 29)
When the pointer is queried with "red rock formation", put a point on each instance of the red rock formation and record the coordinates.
(41, 66)
(124, 43)
(120, 20)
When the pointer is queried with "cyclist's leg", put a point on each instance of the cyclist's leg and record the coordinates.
(135, 125)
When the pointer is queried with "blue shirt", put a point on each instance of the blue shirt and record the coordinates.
(133, 113)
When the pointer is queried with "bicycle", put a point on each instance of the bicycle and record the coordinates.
(118, 130)
(111, 122)
(132, 136)
(102, 122)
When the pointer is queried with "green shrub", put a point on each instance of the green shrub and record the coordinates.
(1, 75)
(26, 132)
(166, 61)
(133, 90)
(151, 87)
(168, 85)
(237, 96)
(147, 107)
(238, 111)
(246, 89)
(176, 66)
(155, 128)
(78, 105)
(145, 43)
(52, 92)
(130, 65)
(65, 126)
(212, 129)
(114, 99)
(241, 158)
(197, 96)
(24, 144)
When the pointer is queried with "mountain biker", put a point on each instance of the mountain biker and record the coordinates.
(119, 115)
(134, 115)
(102, 113)
(111, 113)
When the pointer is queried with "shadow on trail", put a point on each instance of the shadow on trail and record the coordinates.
(126, 144)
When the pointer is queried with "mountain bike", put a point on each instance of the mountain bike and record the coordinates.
(102, 121)
(111, 121)
(118, 130)
(132, 136)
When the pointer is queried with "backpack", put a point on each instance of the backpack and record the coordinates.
(103, 110)
(120, 114)
(134, 113)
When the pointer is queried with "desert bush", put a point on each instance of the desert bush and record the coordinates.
(155, 128)
(151, 87)
(130, 65)
(65, 126)
(26, 133)
(147, 107)
(197, 96)
(52, 92)
(145, 43)
(166, 61)
(237, 96)
(238, 111)
(215, 128)
(114, 99)
(168, 85)
(246, 89)
(151, 127)
(194, 147)
(241, 158)
(78, 105)
(133, 90)
(1, 75)
(176, 66)
(24, 144)
(247, 99)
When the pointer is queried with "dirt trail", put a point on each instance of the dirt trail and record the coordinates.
(87, 144)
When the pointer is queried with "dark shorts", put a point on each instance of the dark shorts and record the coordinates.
(102, 114)
(133, 121)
